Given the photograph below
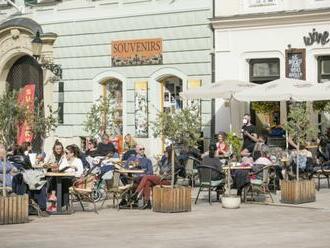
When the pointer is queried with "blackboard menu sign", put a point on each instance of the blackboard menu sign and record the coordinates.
(295, 63)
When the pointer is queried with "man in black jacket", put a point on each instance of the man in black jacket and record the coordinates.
(105, 147)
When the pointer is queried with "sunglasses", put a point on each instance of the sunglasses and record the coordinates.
(141, 149)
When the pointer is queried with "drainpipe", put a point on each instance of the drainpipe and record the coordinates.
(213, 74)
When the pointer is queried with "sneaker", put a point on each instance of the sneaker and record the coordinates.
(44, 214)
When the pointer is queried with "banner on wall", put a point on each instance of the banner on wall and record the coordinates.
(137, 52)
(26, 98)
(141, 109)
(295, 63)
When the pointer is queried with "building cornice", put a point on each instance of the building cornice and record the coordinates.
(271, 19)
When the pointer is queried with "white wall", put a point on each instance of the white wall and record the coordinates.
(235, 47)
(239, 7)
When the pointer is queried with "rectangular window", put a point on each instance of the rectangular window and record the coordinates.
(60, 102)
(323, 69)
(264, 70)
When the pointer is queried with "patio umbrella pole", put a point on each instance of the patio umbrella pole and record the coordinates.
(230, 113)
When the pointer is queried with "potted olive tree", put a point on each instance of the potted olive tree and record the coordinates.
(230, 200)
(181, 128)
(12, 115)
(301, 130)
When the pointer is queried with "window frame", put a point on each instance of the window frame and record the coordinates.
(261, 80)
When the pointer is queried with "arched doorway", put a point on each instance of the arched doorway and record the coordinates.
(23, 72)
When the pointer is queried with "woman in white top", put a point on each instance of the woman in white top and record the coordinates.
(71, 163)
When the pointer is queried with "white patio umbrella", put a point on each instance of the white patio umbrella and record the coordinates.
(318, 92)
(283, 89)
(224, 89)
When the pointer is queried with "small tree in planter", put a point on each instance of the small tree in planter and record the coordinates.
(181, 127)
(104, 109)
(301, 130)
(12, 115)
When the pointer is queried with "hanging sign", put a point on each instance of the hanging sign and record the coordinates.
(26, 98)
(137, 52)
(295, 63)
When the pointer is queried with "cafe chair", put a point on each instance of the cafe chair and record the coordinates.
(82, 190)
(117, 191)
(259, 182)
(321, 173)
(206, 173)
(191, 171)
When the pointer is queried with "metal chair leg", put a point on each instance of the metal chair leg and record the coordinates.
(200, 188)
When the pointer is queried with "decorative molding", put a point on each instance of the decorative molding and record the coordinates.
(270, 19)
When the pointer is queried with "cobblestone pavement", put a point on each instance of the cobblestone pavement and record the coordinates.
(206, 226)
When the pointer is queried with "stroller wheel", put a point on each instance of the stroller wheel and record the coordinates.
(99, 194)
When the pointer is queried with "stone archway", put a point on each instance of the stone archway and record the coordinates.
(16, 37)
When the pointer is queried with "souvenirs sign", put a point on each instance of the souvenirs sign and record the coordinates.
(137, 52)
(295, 63)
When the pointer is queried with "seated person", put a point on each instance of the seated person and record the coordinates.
(129, 143)
(212, 161)
(106, 146)
(9, 168)
(55, 158)
(140, 161)
(148, 181)
(222, 146)
(304, 161)
(29, 180)
(72, 163)
(91, 150)
(277, 130)
(256, 153)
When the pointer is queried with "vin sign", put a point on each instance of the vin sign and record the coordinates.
(295, 63)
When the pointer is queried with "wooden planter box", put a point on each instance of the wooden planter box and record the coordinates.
(296, 192)
(14, 209)
(171, 200)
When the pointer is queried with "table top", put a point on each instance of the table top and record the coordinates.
(133, 171)
(237, 168)
(59, 174)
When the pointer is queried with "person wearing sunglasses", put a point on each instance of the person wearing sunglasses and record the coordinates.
(140, 161)
(72, 163)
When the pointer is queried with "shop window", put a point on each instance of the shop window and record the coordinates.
(263, 71)
(323, 69)
(115, 92)
(171, 98)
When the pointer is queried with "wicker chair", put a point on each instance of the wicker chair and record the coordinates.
(117, 190)
(83, 189)
(260, 184)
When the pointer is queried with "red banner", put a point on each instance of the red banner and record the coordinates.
(26, 98)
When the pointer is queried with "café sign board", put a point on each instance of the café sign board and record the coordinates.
(316, 37)
(295, 63)
(137, 52)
